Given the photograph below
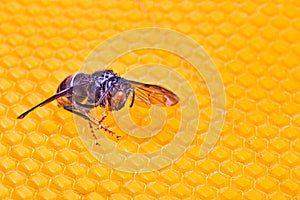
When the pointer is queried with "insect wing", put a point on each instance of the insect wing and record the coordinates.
(62, 93)
(57, 95)
(148, 94)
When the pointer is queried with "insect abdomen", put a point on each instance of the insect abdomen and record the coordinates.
(65, 100)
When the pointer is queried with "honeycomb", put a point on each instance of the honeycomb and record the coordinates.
(256, 48)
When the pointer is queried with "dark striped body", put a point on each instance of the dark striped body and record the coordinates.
(113, 90)
(81, 92)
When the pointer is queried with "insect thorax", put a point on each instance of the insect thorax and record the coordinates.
(100, 77)
(103, 88)
(98, 87)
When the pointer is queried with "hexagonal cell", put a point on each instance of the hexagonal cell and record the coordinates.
(290, 187)
(280, 172)
(231, 194)
(244, 156)
(24, 193)
(11, 98)
(278, 195)
(243, 183)
(49, 127)
(280, 145)
(290, 133)
(62, 183)
(57, 142)
(195, 178)
(52, 168)
(25, 86)
(231, 168)
(87, 159)
(66, 156)
(43, 154)
(5, 191)
(20, 151)
(76, 170)
(46, 194)
(134, 187)
(245, 129)
(184, 164)
(280, 120)
(109, 187)
(38, 75)
(255, 170)
(6, 85)
(268, 158)
(208, 166)
(170, 176)
(85, 186)
(235, 92)
(14, 178)
(267, 185)
(38, 181)
(181, 190)
(27, 125)
(268, 132)
(3, 149)
(291, 159)
(218, 180)
(29, 166)
(220, 154)
(71, 195)
(233, 142)
(255, 194)
(12, 137)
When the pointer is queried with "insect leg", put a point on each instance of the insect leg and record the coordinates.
(91, 122)
(103, 96)
(92, 130)
(102, 119)
(93, 105)
(106, 129)
(72, 110)
(132, 100)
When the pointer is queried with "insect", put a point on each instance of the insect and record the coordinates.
(81, 92)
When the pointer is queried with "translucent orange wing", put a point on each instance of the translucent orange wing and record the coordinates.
(148, 94)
